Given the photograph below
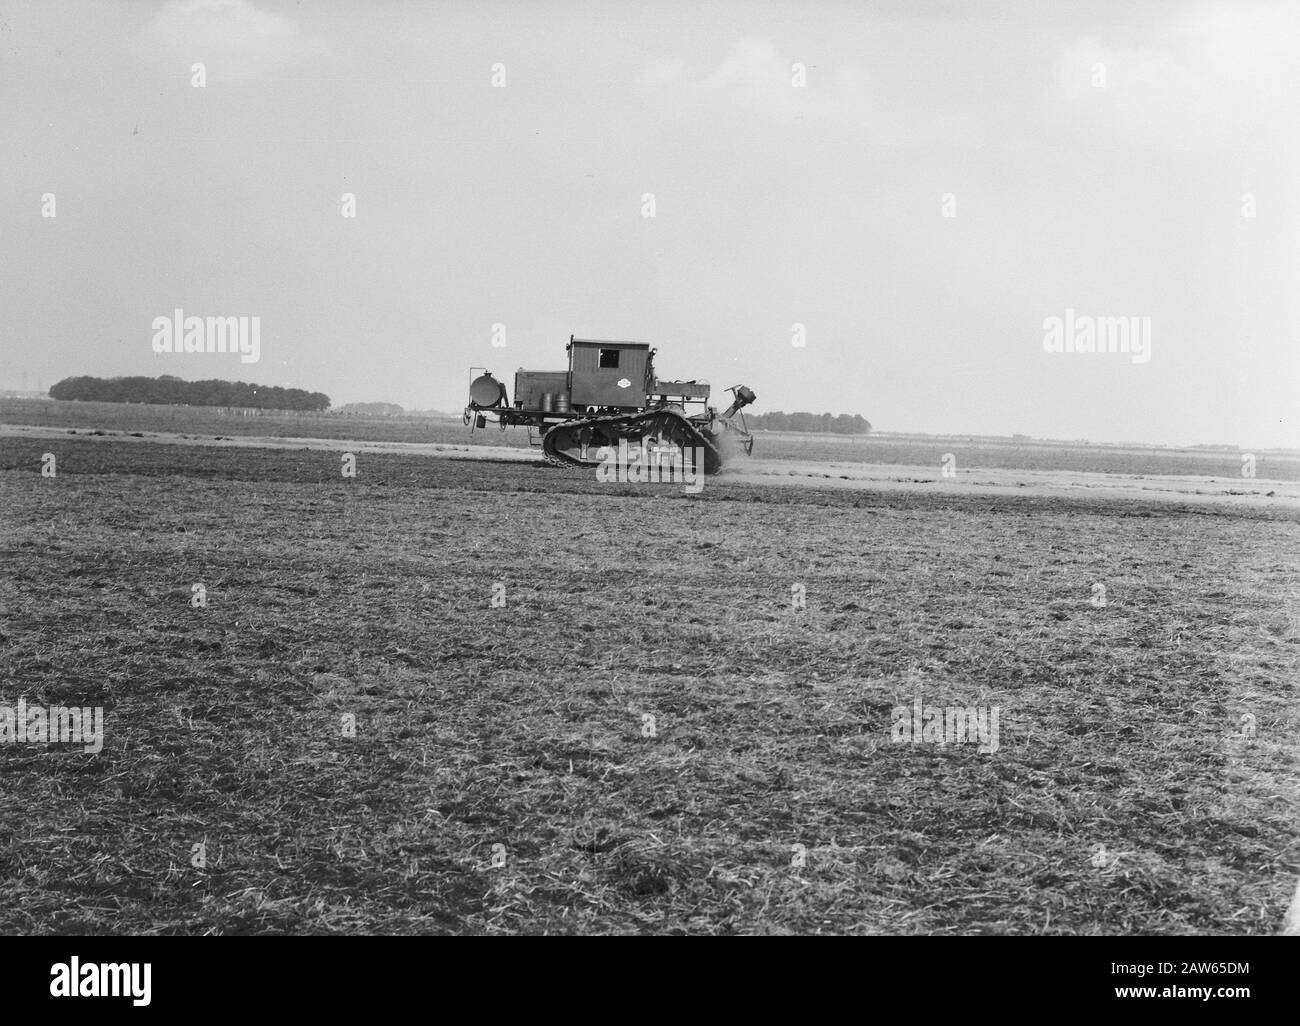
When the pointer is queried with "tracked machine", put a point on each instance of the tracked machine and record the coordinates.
(610, 394)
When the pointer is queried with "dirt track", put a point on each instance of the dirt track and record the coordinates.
(1254, 492)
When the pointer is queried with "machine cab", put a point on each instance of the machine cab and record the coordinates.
(617, 374)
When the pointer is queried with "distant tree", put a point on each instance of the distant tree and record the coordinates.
(172, 390)
(372, 409)
(843, 424)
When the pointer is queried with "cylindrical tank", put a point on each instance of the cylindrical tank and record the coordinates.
(486, 391)
(548, 402)
(561, 402)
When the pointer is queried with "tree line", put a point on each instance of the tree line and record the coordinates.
(844, 424)
(172, 390)
(371, 410)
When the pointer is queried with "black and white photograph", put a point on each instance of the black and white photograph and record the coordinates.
(522, 469)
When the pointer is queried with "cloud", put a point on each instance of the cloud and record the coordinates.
(1221, 73)
(1242, 40)
(232, 38)
(756, 80)
(752, 68)
(756, 88)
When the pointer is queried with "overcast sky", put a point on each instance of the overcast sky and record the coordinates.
(1099, 157)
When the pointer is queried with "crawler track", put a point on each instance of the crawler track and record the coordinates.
(576, 444)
